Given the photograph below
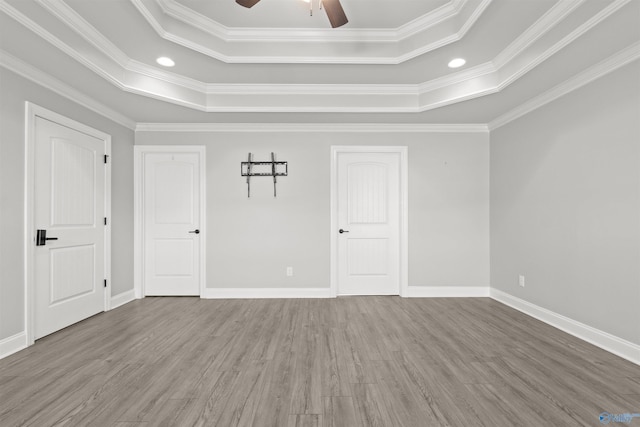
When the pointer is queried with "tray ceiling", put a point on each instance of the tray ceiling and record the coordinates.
(274, 58)
(387, 14)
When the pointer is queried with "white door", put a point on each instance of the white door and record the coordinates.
(368, 223)
(69, 205)
(172, 223)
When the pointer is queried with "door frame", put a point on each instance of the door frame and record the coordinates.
(31, 112)
(139, 154)
(403, 232)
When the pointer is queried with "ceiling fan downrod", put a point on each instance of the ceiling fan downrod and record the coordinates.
(311, 6)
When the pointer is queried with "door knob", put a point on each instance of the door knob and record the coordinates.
(41, 237)
(343, 231)
(196, 231)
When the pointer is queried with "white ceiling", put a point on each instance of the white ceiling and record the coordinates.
(387, 14)
(275, 63)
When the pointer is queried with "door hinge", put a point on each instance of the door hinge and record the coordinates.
(105, 220)
(106, 156)
(105, 283)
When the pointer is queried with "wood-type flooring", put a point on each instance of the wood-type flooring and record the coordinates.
(350, 361)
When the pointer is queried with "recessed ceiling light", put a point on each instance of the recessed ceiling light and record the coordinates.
(458, 62)
(165, 62)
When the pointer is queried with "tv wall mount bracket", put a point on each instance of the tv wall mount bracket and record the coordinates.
(267, 168)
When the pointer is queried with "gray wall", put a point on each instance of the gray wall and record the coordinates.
(250, 242)
(14, 91)
(565, 205)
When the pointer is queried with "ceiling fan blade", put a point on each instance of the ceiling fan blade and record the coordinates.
(247, 3)
(335, 13)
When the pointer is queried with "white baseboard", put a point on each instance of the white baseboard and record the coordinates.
(412, 292)
(447, 291)
(122, 298)
(611, 343)
(248, 293)
(13, 344)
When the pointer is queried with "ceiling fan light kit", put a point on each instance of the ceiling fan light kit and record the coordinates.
(247, 3)
(333, 8)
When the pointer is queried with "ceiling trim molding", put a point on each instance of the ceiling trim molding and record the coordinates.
(457, 36)
(201, 91)
(64, 47)
(43, 79)
(469, 74)
(312, 127)
(472, 83)
(191, 17)
(138, 67)
(70, 18)
(77, 23)
(542, 26)
(564, 41)
(188, 16)
(377, 39)
(150, 18)
(312, 89)
(620, 59)
(429, 20)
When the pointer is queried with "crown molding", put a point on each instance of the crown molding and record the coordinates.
(431, 19)
(77, 23)
(160, 13)
(457, 36)
(312, 127)
(150, 18)
(620, 59)
(542, 26)
(188, 16)
(469, 74)
(41, 78)
(56, 42)
(142, 79)
(197, 95)
(312, 89)
(89, 33)
(564, 41)
(139, 68)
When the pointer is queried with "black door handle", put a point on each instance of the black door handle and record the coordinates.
(343, 231)
(196, 231)
(41, 237)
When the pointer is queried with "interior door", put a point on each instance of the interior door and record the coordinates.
(368, 215)
(69, 206)
(171, 221)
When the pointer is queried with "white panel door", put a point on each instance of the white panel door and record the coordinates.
(69, 204)
(172, 223)
(368, 215)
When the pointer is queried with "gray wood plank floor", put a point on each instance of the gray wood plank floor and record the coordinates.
(351, 361)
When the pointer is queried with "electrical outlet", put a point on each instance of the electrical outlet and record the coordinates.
(521, 280)
(289, 271)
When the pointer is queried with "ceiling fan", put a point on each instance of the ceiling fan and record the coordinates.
(334, 10)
